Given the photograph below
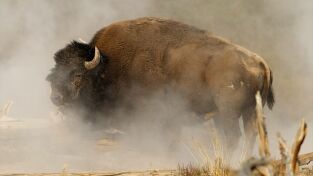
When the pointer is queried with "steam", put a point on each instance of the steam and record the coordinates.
(32, 31)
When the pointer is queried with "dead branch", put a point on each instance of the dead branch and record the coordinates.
(301, 134)
(285, 155)
(263, 138)
(305, 159)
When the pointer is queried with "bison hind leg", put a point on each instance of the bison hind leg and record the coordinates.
(250, 129)
(229, 101)
(228, 129)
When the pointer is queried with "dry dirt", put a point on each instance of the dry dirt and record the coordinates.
(143, 173)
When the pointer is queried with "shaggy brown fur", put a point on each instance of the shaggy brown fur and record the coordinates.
(213, 74)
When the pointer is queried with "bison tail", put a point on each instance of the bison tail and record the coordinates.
(267, 92)
(270, 96)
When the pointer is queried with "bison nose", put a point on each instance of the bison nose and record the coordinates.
(57, 99)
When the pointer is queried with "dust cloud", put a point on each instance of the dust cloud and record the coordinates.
(32, 31)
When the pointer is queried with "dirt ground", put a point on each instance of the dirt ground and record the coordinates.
(143, 173)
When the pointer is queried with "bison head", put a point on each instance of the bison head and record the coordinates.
(75, 66)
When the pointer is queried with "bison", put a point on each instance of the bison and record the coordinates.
(215, 76)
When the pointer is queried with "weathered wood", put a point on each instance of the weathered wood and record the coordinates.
(285, 156)
(142, 173)
(305, 159)
(5, 110)
(263, 138)
(300, 137)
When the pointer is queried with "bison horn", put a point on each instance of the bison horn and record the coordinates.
(82, 41)
(89, 65)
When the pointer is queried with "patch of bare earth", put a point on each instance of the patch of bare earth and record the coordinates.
(291, 163)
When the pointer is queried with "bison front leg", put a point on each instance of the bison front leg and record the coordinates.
(250, 129)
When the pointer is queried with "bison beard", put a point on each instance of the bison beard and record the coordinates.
(213, 75)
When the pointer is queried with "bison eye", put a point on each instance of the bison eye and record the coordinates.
(77, 83)
(77, 79)
(78, 75)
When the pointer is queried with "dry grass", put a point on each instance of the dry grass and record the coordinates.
(264, 166)
(217, 169)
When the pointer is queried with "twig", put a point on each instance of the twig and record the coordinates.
(305, 159)
(302, 131)
(263, 138)
(285, 156)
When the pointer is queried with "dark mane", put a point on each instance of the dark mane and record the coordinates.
(74, 50)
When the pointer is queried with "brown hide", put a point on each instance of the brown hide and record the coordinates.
(215, 75)
(152, 52)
